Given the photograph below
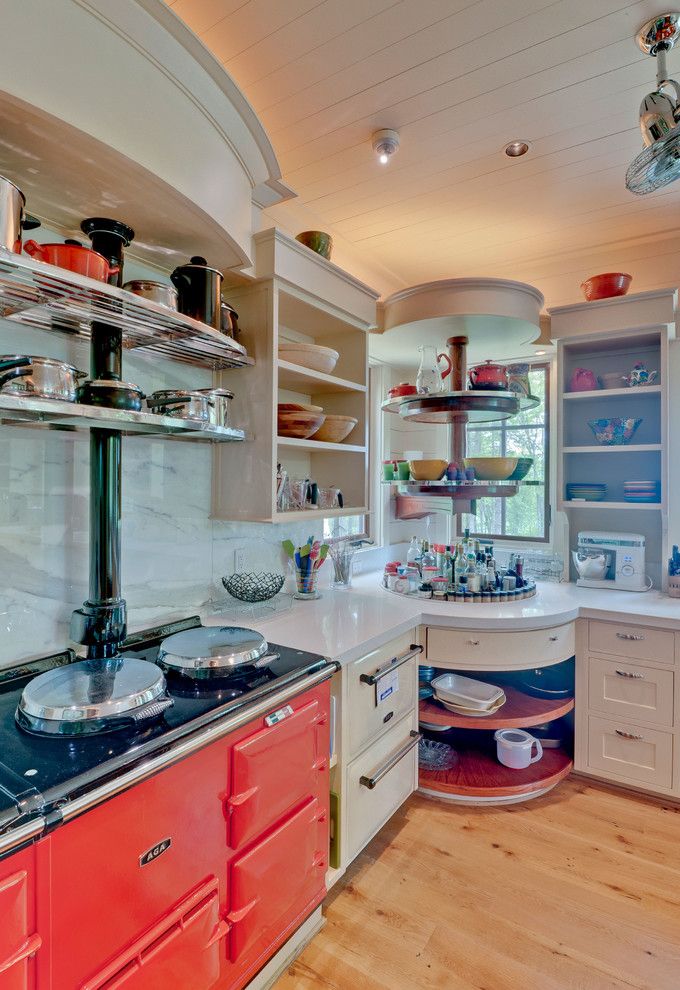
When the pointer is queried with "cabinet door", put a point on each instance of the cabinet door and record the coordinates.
(628, 690)
(18, 940)
(125, 864)
(277, 768)
(632, 642)
(278, 880)
(182, 950)
(619, 750)
(375, 708)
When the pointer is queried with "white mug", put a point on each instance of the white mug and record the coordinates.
(514, 746)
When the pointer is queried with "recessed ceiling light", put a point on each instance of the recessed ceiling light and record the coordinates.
(385, 144)
(540, 353)
(516, 149)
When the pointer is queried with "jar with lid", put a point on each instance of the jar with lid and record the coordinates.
(439, 588)
(425, 590)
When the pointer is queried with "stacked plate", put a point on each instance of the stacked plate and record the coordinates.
(577, 492)
(641, 491)
(467, 696)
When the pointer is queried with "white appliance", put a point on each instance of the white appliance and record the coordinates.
(624, 564)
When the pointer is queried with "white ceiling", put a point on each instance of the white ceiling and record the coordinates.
(458, 79)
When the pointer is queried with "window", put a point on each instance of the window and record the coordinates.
(524, 516)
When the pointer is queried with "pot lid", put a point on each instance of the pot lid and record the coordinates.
(107, 383)
(177, 393)
(93, 689)
(223, 392)
(198, 262)
(212, 648)
(37, 360)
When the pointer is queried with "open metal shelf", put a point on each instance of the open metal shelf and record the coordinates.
(50, 298)
(59, 415)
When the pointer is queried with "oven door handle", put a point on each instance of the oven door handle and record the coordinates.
(371, 781)
(29, 948)
(394, 663)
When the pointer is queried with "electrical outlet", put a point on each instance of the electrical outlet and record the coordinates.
(240, 559)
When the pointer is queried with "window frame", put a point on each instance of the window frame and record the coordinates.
(503, 428)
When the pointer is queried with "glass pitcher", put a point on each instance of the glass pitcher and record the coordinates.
(430, 377)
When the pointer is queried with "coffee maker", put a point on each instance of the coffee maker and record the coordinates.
(611, 560)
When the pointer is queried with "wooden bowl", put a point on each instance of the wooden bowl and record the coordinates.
(335, 429)
(492, 468)
(312, 356)
(299, 407)
(428, 470)
(300, 425)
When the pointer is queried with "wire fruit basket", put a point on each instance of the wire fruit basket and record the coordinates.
(253, 587)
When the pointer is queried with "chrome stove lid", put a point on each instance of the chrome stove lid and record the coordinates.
(214, 648)
(93, 696)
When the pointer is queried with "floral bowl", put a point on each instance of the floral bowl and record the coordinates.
(614, 432)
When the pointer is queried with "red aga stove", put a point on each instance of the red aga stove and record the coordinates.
(177, 852)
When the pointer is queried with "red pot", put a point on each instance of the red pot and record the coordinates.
(607, 285)
(404, 388)
(73, 257)
(489, 375)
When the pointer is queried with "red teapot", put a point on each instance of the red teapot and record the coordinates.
(583, 380)
(489, 376)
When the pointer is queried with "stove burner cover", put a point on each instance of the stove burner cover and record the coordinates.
(217, 649)
(93, 696)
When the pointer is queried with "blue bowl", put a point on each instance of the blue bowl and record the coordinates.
(614, 432)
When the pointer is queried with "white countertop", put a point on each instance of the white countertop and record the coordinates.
(345, 625)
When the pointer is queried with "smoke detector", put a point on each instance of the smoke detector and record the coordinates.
(659, 162)
(385, 144)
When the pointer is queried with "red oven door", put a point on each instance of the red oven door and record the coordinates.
(19, 941)
(181, 950)
(278, 767)
(279, 879)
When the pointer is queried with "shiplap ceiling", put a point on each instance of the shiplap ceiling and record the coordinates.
(458, 79)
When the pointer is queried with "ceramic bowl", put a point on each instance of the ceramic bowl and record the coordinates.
(615, 431)
(492, 468)
(427, 470)
(312, 356)
(606, 285)
(524, 465)
(335, 429)
(317, 240)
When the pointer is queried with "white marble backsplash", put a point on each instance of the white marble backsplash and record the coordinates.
(174, 554)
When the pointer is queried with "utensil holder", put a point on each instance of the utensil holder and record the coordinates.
(674, 585)
(306, 581)
(342, 567)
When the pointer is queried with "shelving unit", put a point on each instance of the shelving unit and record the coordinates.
(478, 778)
(520, 711)
(611, 336)
(298, 297)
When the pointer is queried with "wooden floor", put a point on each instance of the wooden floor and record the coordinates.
(579, 890)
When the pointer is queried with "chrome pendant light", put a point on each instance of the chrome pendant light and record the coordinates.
(659, 163)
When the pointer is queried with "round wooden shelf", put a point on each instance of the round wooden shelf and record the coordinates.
(478, 774)
(520, 711)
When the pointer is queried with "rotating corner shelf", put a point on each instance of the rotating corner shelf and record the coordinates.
(467, 406)
(478, 778)
(520, 711)
(59, 415)
(40, 295)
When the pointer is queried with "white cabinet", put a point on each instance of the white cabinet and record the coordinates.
(457, 648)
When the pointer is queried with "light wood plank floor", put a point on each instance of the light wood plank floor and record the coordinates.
(579, 890)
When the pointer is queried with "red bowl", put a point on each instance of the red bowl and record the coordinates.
(607, 285)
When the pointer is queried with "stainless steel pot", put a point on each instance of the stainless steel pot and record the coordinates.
(13, 219)
(41, 377)
(229, 320)
(213, 650)
(219, 411)
(158, 292)
(199, 288)
(181, 404)
(111, 394)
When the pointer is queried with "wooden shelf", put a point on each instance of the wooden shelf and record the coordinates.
(520, 711)
(312, 445)
(614, 393)
(478, 774)
(584, 504)
(300, 515)
(630, 448)
(309, 382)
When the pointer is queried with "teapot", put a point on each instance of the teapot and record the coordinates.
(489, 376)
(640, 375)
(583, 380)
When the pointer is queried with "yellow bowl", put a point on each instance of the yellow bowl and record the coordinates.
(427, 470)
(492, 468)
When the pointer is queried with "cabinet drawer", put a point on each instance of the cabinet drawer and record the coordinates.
(368, 717)
(618, 749)
(391, 766)
(633, 642)
(628, 690)
(499, 650)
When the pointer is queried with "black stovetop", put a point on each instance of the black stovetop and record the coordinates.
(38, 771)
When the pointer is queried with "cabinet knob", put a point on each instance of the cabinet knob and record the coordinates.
(553, 639)
(627, 735)
(473, 642)
(626, 673)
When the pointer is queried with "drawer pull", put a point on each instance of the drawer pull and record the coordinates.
(473, 642)
(395, 662)
(370, 782)
(553, 639)
(626, 673)
(627, 735)
(631, 636)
